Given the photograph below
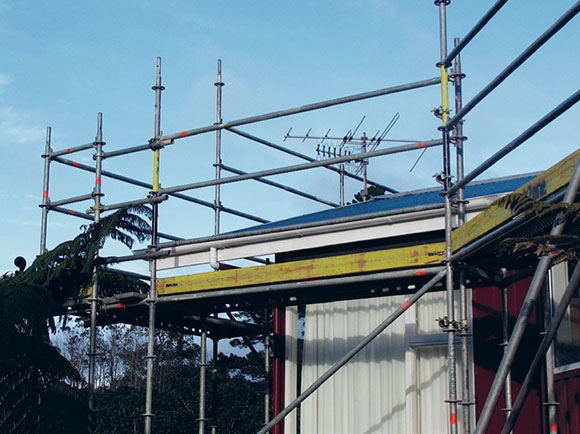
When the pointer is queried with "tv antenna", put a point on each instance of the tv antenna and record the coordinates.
(335, 146)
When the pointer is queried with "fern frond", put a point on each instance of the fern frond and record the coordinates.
(520, 203)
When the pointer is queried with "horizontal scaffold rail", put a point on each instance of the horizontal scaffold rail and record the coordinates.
(542, 186)
(305, 166)
(307, 158)
(148, 186)
(282, 187)
(168, 140)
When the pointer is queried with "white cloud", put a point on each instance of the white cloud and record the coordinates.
(5, 79)
(18, 128)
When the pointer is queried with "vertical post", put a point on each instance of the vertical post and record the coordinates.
(214, 379)
(45, 201)
(550, 392)
(202, 371)
(152, 295)
(218, 147)
(505, 339)
(527, 307)
(279, 347)
(342, 185)
(217, 207)
(365, 164)
(450, 324)
(571, 289)
(267, 378)
(95, 290)
(461, 217)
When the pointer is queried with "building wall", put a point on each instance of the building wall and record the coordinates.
(567, 388)
(487, 339)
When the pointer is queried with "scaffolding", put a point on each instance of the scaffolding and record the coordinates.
(156, 303)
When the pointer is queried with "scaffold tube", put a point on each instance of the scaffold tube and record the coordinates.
(565, 105)
(526, 310)
(353, 352)
(526, 54)
(569, 293)
(299, 167)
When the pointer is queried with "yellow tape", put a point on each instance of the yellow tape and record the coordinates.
(156, 170)
(444, 95)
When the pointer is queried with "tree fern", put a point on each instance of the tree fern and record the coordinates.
(34, 376)
(559, 247)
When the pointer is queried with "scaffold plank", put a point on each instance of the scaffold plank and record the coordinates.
(405, 257)
(540, 187)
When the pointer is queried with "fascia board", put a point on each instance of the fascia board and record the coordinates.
(318, 236)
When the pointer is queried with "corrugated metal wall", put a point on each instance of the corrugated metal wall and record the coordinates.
(487, 337)
(567, 385)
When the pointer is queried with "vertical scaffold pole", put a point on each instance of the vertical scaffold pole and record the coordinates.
(279, 350)
(450, 324)
(202, 371)
(267, 376)
(217, 206)
(152, 295)
(342, 185)
(45, 201)
(95, 290)
(214, 379)
(525, 312)
(464, 331)
(550, 392)
(365, 164)
(218, 147)
(547, 340)
(505, 338)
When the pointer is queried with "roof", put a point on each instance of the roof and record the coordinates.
(401, 201)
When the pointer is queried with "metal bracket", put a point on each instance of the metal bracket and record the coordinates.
(156, 144)
(446, 325)
(455, 401)
(453, 75)
(459, 202)
(455, 138)
(438, 112)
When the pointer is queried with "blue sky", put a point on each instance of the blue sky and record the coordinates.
(63, 62)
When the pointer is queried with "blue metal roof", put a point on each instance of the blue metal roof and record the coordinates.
(403, 200)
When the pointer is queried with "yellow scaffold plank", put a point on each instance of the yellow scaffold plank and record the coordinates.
(404, 257)
(540, 187)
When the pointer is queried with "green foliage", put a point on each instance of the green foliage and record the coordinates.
(520, 203)
(119, 399)
(558, 247)
(68, 267)
(37, 384)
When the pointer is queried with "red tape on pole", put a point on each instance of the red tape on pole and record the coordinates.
(554, 428)
(98, 180)
(406, 305)
(183, 133)
(74, 163)
(421, 144)
(453, 418)
(71, 212)
(420, 272)
(45, 194)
